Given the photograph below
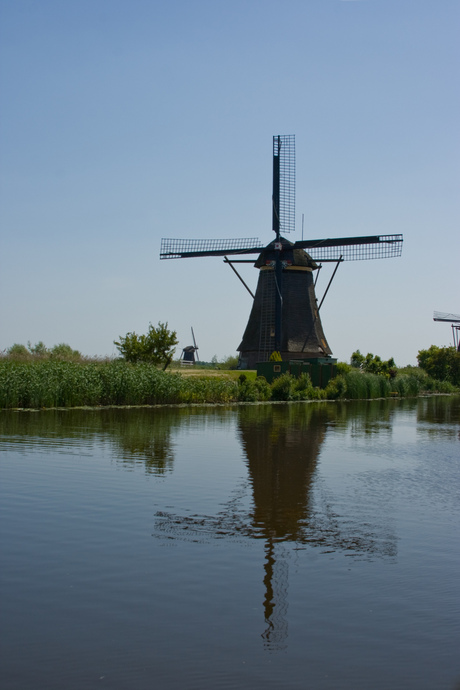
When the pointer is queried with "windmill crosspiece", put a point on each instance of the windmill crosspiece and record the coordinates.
(285, 312)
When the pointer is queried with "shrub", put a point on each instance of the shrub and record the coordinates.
(318, 394)
(373, 364)
(406, 386)
(288, 387)
(253, 391)
(303, 387)
(343, 368)
(230, 362)
(39, 349)
(61, 352)
(283, 387)
(357, 360)
(442, 363)
(156, 347)
(18, 351)
(336, 388)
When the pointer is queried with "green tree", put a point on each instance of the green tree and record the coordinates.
(373, 364)
(38, 349)
(156, 347)
(441, 363)
(64, 351)
(230, 362)
(357, 360)
(18, 350)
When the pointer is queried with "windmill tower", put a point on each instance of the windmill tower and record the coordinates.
(453, 319)
(285, 313)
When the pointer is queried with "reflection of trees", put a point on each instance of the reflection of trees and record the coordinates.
(437, 410)
(138, 436)
(370, 417)
(143, 436)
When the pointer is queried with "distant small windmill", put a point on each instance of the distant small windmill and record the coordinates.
(454, 319)
(188, 353)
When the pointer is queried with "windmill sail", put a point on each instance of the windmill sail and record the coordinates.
(182, 249)
(283, 198)
(353, 248)
(330, 249)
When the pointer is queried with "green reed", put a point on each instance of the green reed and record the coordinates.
(43, 384)
(361, 385)
(70, 384)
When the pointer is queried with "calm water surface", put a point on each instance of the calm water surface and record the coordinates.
(261, 546)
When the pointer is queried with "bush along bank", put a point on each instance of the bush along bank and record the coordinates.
(44, 384)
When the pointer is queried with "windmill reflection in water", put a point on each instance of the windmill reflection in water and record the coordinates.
(282, 458)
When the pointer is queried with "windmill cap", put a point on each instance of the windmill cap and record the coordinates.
(296, 257)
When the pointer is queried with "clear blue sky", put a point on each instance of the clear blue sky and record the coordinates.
(125, 122)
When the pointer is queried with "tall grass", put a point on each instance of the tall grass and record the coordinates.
(69, 384)
(48, 383)
(360, 385)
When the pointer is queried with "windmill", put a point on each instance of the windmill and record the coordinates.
(285, 312)
(188, 353)
(454, 319)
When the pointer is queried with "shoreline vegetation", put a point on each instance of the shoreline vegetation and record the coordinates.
(70, 380)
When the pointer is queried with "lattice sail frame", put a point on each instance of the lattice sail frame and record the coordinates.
(177, 249)
(330, 249)
(353, 248)
(284, 148)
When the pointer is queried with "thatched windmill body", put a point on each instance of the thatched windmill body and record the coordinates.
(285, 313)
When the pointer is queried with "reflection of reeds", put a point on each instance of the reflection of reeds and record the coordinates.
(136, 435)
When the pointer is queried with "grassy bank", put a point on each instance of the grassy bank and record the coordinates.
(41, 384)
(70, 384)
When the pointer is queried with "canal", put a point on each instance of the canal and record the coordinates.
(294, 546)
